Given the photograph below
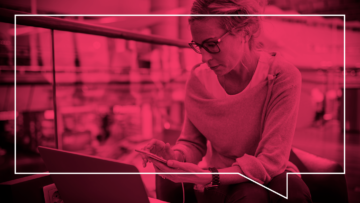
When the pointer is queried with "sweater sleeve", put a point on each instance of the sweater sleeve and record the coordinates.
(273, 151)
(191, 142)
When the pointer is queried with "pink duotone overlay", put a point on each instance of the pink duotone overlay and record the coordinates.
(114, 95)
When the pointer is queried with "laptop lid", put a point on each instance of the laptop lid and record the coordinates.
(93, 188)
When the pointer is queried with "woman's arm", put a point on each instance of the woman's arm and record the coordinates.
(225, 179)
(200, 178)
(272, 154)
(191, 145)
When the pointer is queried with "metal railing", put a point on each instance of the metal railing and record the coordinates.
(53, 23)
(43, 21)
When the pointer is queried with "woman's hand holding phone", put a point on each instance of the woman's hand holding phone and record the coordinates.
(160, 149)
(164, 160)
(152, 156)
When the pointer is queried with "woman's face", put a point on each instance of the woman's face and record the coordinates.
(231, 46)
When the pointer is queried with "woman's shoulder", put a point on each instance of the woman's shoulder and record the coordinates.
(285, 70)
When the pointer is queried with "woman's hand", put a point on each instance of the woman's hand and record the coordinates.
(181, 167)
(159, 148)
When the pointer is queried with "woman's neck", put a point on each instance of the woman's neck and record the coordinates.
(237, 79)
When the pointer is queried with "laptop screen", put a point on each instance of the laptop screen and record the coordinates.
(93, 188)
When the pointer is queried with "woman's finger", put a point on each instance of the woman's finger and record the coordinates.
(144, 160)
(169, 152)
(155, 146)
(158, 148)
(175, 164)
(167, 147)
(184, 166)
(149, 145)
(143, 163)
(162, 166)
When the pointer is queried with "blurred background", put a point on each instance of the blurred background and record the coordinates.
(113, 95)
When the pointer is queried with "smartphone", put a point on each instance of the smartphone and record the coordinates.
(153, 156)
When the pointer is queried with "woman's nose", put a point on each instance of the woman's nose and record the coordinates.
(205, 56)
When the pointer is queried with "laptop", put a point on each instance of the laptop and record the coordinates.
(93, 188)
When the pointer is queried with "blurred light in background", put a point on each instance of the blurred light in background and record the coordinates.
(49, 114)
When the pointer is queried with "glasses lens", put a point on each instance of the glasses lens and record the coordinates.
(195, 47)
(211, 47)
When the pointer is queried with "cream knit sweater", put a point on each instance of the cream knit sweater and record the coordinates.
(252, 130)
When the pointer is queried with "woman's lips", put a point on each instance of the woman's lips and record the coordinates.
(214, 67)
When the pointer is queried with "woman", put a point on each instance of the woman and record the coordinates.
(243, 103)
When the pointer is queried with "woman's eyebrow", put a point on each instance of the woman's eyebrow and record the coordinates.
(205, 40)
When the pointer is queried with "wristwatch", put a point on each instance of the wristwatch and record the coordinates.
(215, 182)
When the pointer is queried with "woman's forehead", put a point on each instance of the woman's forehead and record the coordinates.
(205, 28)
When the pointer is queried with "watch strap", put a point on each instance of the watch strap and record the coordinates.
(215, 182)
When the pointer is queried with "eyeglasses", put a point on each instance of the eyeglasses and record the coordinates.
(210, 45)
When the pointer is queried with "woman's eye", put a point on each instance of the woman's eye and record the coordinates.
(211, 44)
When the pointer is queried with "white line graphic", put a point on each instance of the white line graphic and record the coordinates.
(187, 15)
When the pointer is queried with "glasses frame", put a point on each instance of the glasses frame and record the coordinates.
(192, 44)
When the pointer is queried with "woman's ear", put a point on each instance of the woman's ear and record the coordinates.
(244, 35)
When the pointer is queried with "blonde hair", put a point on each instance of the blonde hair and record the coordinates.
(233, 24)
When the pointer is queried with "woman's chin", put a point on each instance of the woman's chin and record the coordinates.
(220, 71)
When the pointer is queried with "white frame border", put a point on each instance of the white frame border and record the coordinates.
(187, 15)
